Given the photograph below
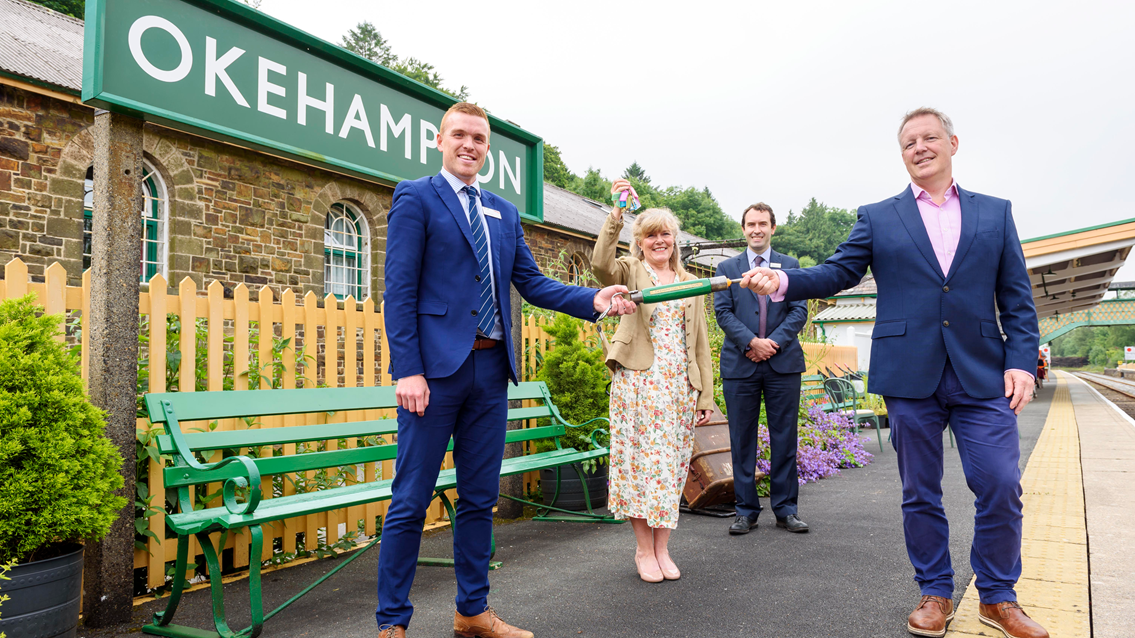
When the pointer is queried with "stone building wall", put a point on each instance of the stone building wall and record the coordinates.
(234, 215)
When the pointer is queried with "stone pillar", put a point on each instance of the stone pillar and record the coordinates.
(514, 485)
(108, 578)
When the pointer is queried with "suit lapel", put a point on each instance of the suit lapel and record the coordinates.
(445, 191)
(907, 210)
(970, 217)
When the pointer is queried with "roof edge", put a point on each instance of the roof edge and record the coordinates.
(1079, 230)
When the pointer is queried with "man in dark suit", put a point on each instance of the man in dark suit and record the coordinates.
(946, 260)
(452, 250)
(761, 357)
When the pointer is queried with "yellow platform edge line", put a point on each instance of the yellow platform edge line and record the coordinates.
(1053, 470)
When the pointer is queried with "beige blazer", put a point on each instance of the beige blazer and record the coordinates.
(631, 346)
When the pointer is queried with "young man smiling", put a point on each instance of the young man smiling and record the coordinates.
(761, 359)
(452, 250)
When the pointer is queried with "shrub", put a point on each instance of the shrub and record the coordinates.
(58, 471)
(577, 378)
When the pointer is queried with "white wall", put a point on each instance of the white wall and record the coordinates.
(852, 334)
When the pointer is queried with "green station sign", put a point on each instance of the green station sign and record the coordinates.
(225, 71)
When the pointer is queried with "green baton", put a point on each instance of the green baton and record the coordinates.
(670, 292)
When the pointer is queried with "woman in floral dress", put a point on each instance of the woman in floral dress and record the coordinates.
(662, 384)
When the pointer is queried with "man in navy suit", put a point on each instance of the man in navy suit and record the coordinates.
(761, 356)
(452, 250)
(946, 262)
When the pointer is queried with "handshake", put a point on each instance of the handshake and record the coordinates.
(762, 281)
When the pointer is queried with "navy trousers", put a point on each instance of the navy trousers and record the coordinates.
(471, 406)
(989, 446)
(781, 394)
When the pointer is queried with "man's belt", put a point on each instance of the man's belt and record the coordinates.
(482, 343)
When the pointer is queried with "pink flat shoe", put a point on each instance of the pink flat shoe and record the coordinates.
(650, 577)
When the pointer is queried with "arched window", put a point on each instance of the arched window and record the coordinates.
(154, 254)
(346, 253)
(576, 270)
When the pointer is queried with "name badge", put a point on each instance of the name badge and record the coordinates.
(491, 213)
(774, 265)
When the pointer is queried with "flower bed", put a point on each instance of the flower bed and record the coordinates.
(827, 444)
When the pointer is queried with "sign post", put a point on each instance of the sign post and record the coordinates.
(225, 71)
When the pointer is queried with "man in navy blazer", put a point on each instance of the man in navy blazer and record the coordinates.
(761, 358)
(948, 264)
(452, 250)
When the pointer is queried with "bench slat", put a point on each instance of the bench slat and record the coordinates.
(324, 500)
(233, 439)
(182, 475)
(232, 404)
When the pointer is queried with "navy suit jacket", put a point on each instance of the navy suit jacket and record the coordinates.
(431, 295)
(924, 315)
(738, 314)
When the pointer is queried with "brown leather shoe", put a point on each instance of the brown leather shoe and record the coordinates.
(485, 625)
(1011, 620)
(931, 616)
(391, 631)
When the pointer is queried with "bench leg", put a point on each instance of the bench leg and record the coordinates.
(216, 585)
(163, 618)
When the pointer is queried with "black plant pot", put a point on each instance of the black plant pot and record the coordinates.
(44, 597)
(571, 492)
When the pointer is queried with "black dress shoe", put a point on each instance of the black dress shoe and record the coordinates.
(792, 523)
(742, 525)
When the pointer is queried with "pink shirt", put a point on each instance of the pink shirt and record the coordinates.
(943, 223)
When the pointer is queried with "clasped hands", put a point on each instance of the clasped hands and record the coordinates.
(763, 281)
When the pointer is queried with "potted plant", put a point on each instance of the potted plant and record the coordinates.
(577, 378)
(58, 473)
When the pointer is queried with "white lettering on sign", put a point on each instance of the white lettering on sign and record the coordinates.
(215, 68)
(145, 23)
(327, 105)
(513, 177)
(487, 177)
(404, 125)
(357, 118)
(264, 87)
(427, 142)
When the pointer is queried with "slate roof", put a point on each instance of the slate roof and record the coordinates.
(567, 210)
(851, 312)
(41, 44)
(865, 287)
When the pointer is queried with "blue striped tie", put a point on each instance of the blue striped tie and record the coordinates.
(487, 316)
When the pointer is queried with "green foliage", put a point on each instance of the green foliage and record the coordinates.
(577, 378)
(58, 471)
(555, 171)
(813, 234)
(1102, 345)
(73, 8)
(366, 41)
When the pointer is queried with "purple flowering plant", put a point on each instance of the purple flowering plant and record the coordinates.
(827, 443)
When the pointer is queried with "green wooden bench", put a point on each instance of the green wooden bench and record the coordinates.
(242, 505)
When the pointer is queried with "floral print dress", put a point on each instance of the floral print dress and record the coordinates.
(652, 424)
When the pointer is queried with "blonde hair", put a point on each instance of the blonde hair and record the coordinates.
(653, 220)
(468, 108)
(947, 124)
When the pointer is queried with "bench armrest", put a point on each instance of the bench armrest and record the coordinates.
(595, 442)
(251, 480)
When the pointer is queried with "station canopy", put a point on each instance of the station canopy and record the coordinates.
(1073, 270)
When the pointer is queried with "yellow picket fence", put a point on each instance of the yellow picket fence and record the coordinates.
(340, 344)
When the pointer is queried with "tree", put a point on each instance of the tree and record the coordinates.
(366, 41)
(593, 186)
(634, 172)
(555, 171)
(816, 232)
(73, 8)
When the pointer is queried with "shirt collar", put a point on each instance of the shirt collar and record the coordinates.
(918, 190)
(767, 254)
(456, 184)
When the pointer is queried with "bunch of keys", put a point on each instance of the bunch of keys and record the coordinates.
(627, 199)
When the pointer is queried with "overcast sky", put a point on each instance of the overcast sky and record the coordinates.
(781, 102)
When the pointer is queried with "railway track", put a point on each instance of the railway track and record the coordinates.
(1122, 386)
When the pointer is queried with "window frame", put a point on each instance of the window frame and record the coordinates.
(155, 226)
(360, 287)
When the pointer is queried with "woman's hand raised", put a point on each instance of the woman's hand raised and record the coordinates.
(619, 186)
